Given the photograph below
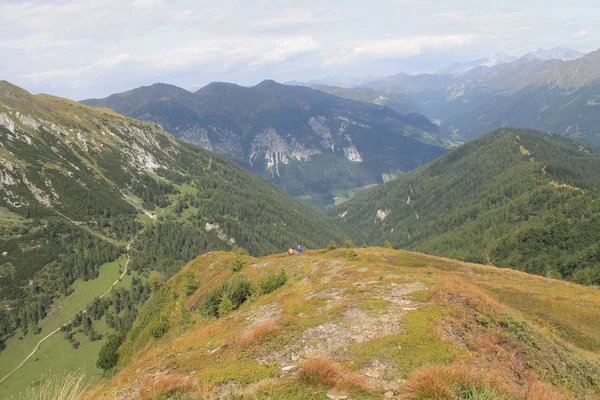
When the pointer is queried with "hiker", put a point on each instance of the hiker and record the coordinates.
(299, 249)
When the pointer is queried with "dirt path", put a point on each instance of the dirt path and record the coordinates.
(83, 312)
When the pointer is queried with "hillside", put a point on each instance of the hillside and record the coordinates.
(362, 324)
(310, 143)
(512, 198)
(87, 194)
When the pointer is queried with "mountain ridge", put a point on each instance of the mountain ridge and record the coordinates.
(291, 134)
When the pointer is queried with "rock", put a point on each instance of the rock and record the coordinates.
(389, 395)
(288, 368)
(336, 395)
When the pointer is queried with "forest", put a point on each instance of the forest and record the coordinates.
(512, 198)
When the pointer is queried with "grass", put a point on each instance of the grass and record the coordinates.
(419, 345)
(56, 353)
(472, 335)
(58, 387)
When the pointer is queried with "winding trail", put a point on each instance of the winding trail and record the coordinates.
(82, 312)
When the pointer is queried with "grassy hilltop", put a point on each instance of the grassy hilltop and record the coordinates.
(363, 323)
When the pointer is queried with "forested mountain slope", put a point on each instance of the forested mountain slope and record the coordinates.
(512, 198)
(78, 184)
(310, 143)
(360, 324)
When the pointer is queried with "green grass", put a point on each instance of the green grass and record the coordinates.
(419, 345)
(56, 354)
(9, 223)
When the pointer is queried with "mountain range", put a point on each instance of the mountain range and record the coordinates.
(311, 143)
(547, 90)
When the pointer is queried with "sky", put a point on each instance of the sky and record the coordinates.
(92, 48)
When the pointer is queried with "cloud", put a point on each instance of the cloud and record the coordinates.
(397, 47)
(84, 48)
(293, 19)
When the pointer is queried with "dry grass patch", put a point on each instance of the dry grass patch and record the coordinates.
(322, 371)
(163, 385)
(452, 382)
(257, 334)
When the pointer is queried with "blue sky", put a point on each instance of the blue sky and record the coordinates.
(91, 48)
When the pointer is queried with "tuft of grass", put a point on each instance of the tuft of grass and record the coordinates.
(257, 334)
(163, 386)
(322, 371)
(455, 382)
(58, 387)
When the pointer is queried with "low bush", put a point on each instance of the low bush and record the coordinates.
(231, 293)
(273, 282)
(236, 265)
(159, 327)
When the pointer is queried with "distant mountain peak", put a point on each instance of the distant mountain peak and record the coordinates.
(556, 53)
(497, 59)
(489, 62)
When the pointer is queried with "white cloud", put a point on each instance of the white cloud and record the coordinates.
(83, 48)
(397, 47)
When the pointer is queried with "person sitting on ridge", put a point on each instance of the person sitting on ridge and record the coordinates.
(299, 249)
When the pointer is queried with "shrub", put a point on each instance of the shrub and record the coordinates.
(273, 282)
(387, 244)
(158, 327)
(332, 245)
(154, 281)
(191, 285)
(351, 256)
(226, 305)
(109, 356)
(209, 306)
(349, 244)
(236, 265)
(240, 289)
(237, 291)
